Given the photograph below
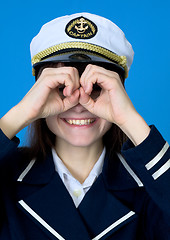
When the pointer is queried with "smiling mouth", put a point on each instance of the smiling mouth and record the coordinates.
(80, 122)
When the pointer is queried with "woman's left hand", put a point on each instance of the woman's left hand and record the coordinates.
(113, 103)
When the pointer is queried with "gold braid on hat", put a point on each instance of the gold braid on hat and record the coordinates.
(93, 49)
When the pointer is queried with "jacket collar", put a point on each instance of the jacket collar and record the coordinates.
(37, 171)
(115, 173)
(118, 175)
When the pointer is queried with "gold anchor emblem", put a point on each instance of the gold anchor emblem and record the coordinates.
(81, 28)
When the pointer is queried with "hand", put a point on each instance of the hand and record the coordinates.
(113, 104)
(44, 98)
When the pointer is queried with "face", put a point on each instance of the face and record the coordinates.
(78, 127)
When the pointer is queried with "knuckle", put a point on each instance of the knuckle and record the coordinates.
(94, 67)
(94, 70)
(116, 75)
(45, 71)
(90, 65)
(74, 69)
(96, 75)
(68, 77)
(71, 70)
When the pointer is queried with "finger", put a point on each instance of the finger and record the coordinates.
(92, 75)
(65, 80)
(73, 75)
(68, 73)
(107, 83)
(88, 80)
(84, 77)
(86, 101)
(53, 81)
(84, 74)
(92, 68)
(71, 101)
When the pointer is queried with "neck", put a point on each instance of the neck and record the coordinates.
(79, 160)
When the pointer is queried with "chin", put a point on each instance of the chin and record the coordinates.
(79, 141)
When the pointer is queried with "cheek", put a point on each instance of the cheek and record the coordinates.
(105, 126)
(52, 124)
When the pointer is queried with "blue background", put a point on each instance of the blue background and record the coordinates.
(146, 26)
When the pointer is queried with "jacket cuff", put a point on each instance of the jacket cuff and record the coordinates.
(6, 143)
(150, 158)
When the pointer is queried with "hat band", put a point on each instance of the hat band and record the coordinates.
(121, 60)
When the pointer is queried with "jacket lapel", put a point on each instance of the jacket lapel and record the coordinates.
(103, 213)
(49, 205)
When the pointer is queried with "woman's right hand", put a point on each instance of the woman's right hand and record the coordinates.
(44, 99)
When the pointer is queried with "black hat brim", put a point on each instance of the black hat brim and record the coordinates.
(71, 58)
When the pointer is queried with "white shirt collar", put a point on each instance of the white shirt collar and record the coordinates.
(63, 171)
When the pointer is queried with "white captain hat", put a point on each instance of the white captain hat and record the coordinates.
(82, 37)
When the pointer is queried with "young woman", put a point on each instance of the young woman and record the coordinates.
(76, 180)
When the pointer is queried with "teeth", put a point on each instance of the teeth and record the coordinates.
(80, 122)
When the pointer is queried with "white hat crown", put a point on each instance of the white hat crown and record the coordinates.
(104, 34)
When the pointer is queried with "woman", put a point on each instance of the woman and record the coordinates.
(76, 181)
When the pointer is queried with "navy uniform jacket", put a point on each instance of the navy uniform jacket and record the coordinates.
(130, 200)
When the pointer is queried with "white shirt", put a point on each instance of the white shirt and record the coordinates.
(74, 187)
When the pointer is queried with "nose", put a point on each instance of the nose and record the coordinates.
(78, 108)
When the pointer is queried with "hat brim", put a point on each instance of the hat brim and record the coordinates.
(81, 57)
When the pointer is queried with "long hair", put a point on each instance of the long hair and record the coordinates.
(41, 139)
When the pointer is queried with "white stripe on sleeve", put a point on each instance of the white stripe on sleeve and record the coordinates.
(158, 157)
(162, 170)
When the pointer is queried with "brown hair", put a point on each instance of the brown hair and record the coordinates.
(41, 139)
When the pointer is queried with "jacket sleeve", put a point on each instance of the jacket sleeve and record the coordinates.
(8, 149)
(150, 163)
(8, 154)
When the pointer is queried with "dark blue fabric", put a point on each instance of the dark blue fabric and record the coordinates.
(113, 196)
